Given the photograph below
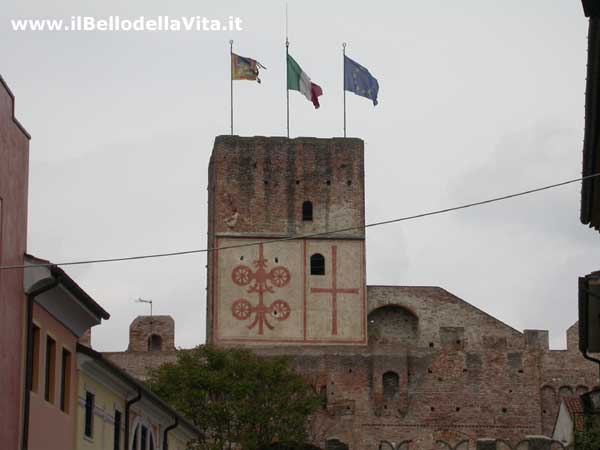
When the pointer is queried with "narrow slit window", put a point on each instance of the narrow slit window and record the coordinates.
(307, 212)
(90, 400)
(50, 369)
(35, 376)
(117, 432)
(317, 264)
(65, 381)
(391, 385)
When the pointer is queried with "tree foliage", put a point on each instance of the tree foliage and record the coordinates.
(236, 398)
(589, 437)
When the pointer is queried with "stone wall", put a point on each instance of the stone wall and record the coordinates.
(138, 364)
(435, 369)
(151, 344)
(257, 188)
(152, 333)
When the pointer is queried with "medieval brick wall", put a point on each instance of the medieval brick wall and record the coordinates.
(461, 374)
(428, 366)
(151, 344)
(152, 333)
(260, 188)
(502, 384)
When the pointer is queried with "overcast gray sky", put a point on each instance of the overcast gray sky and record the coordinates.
(478, 98)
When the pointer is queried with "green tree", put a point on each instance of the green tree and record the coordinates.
(237, 398)
(589, 437)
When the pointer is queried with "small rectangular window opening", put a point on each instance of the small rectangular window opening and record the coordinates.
(65, 381)
(35, 376)
(50, 374)
(117, 431)
(89, 414)
(307, 212)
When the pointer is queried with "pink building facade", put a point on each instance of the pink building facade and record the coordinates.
(59, 313)
(14, 165)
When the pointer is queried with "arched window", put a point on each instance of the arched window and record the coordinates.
(565, 391)
(307, 212)
(143, 437)
(391, 385)
(155, 343)
(393, 324)
(317, 264)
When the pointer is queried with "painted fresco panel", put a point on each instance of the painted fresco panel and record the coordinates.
(265, 293)
(260, 298)
(335, 301)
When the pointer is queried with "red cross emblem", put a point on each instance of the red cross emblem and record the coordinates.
(334, 291)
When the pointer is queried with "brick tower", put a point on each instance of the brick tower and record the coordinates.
(308, 291)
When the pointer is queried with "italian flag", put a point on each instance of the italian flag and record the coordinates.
(297, 80)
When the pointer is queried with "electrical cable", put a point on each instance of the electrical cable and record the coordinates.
(310, 235)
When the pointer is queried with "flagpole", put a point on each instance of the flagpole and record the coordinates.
(231, 81)
(287, 91)
(344, 83)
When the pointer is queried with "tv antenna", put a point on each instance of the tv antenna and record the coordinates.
(141, 300)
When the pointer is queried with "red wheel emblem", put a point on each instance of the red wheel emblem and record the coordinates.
(241, 309)
(260, 282)
(280, 276)
(280, 310)
(241, 275)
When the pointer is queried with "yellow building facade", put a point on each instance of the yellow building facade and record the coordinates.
(116, 412)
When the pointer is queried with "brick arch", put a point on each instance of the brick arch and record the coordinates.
(565, 391)
(392, 324)
(581, 389)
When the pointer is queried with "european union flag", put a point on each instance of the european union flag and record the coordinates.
(357, 79)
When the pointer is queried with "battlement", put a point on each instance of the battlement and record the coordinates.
(152, 334)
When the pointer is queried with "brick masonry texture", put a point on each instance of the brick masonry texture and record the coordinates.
(143, 352)
(434, 367)
(152, 333)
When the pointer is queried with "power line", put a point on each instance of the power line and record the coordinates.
(310, 235)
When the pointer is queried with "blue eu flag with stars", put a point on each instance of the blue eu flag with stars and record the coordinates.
(359, 80)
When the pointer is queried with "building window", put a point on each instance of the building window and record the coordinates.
(144, 438)
(35, 375)
(391, 385)
(144, 434)
(307, 212)
(65, 381)
(117, 431)
(89, 414)
(50, 369)
(317, 264)
(155, 343)
(323, 396)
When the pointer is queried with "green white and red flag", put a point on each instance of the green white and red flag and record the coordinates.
(298, 80)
